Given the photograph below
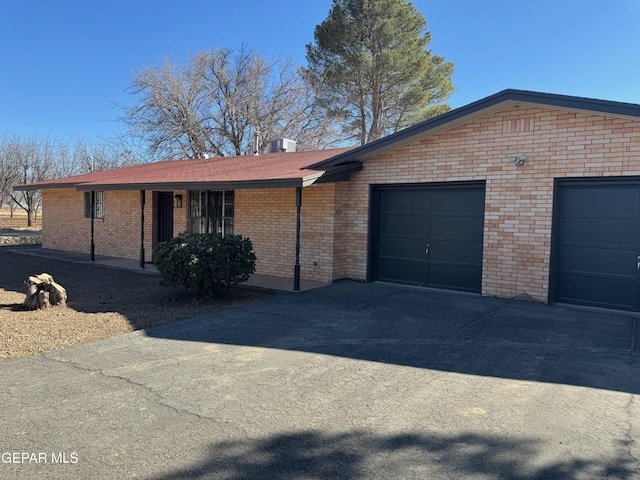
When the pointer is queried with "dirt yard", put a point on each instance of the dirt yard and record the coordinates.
(101, 303)
(18, 221)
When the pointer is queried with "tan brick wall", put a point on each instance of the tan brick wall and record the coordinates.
(63, 224)
(118, 234)
(350, 230)
(519, 200)
(335, 217)
(181, 215)
(268, 218)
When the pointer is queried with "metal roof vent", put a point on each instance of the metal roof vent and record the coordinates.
(278, 145)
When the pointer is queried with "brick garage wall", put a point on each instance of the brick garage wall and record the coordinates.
(519, 200)
(268, 217)
(350, 232)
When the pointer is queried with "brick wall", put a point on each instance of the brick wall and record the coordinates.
(519, 200)
(181, 215)
(268, 218)
(335, 217)
(64, 226)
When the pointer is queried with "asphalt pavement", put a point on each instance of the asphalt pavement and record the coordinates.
(349, 381)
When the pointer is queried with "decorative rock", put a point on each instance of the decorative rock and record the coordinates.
(43, 292)
(21, 240)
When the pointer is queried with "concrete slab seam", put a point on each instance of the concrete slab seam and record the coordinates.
(478, 320)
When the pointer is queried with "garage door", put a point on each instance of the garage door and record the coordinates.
(598, 245)
(429, 235)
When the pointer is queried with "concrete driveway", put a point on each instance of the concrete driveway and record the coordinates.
(350, 381)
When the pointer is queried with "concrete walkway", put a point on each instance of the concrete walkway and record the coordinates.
(349, 381)
(260, 281)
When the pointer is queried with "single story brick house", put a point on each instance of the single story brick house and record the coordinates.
(520, 194)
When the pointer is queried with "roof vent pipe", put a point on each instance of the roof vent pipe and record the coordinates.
(256, 150)
(278, 145)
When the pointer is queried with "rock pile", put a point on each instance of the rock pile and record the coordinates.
(43, 292)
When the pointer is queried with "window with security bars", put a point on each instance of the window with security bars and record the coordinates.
(98, 207)
(211, 211)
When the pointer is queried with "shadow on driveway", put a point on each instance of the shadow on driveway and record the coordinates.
(435, 330)
(356, 455)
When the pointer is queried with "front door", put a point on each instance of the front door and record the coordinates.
(165, 216)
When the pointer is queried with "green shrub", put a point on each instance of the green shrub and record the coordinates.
(205, 262)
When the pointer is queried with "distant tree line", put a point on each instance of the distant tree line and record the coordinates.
(30, 159)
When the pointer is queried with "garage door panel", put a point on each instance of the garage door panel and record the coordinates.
(458, 202)
(404, 224)
(402, 271)
(464, 278)
(598, 291)
(456, 252)
(398, 246)
(407, 201)
(598, 200)
(430, 235)
(599, 261)
(457, 228)
(598, 243)
(600, 231)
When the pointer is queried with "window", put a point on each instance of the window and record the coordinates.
(211, 211)
(98, 211)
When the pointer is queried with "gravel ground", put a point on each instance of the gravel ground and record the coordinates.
(102, 303)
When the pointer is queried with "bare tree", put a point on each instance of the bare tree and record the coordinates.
(215, 104)
(88, 157)
(35, 161)
(8, 174)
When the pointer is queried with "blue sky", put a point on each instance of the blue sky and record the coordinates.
(64, 64)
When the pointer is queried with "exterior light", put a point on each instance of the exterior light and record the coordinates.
(518, 160)
(177, 201)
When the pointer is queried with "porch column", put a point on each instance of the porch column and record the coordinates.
(142, 193)
(296, 269)
(93, 217)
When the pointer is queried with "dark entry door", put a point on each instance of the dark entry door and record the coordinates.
(429, 235)
(165, 216)
(598, 245)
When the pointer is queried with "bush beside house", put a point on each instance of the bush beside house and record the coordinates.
(205, 262)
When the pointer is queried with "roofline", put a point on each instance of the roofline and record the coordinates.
(230, 185)
(477, 109)
(338, 174)
(38, 186)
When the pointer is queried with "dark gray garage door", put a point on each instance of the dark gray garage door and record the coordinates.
(598, 244)
(429, 235)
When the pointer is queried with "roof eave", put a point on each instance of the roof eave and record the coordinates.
(223, 185)
(481, 108)
(30, 187)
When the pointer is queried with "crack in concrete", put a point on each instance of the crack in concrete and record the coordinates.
(160, 400)
(630, 441)
(481, 318)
